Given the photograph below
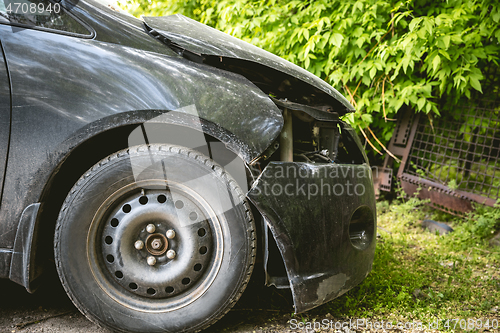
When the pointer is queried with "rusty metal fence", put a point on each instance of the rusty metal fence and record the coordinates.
(452, 160)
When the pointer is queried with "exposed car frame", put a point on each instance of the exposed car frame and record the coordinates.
(69, 100)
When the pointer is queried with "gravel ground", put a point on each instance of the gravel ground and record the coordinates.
(49, 310)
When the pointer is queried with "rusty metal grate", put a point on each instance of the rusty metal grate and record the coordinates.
(452, 160)
(460, 152)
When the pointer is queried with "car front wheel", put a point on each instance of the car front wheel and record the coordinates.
(155, 238)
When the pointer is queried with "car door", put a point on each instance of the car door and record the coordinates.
(4, 118)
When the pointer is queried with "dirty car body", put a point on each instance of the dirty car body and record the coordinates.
(75, 93)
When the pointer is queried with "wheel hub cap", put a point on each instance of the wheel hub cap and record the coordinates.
(156, 244)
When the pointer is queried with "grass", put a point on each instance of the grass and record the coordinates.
(423, 277)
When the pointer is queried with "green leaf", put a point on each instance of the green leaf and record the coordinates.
(366, 80)
(457, 39)
(414, 23)
(305, 33)
(405, 63)
(307, 62)
(428, 23)
(428, 107)
(336, 39)
(445, 54)
(357, 5)
(367, 118)
(421, 102)
(496, 16)
(474, 82)
(399, 104)
(446, 41)
(435, 63)
(357, 32)
(359, 42)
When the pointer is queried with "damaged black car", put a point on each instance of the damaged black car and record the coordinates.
(147, 160)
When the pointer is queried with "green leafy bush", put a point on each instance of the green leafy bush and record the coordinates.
(382, 55)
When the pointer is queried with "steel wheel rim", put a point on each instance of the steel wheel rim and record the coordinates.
(170, 283)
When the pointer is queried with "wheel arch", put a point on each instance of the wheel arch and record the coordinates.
(84, 149)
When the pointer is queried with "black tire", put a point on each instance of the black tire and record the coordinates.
(111, 207)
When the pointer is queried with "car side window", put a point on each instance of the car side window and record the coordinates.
(43, 14)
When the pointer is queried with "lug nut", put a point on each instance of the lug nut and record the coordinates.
(139, 245)
(151, 261)
(170, 234)
(171, 254)
(150, 228)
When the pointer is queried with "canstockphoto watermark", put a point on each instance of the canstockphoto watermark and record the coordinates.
(355, 325)
(296, 180)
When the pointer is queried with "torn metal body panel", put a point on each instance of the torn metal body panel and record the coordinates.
(248, 60)
(309, 209)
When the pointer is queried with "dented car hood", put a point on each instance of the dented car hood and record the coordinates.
(202, 40)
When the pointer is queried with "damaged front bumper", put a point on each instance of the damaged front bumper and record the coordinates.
(323, 219)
